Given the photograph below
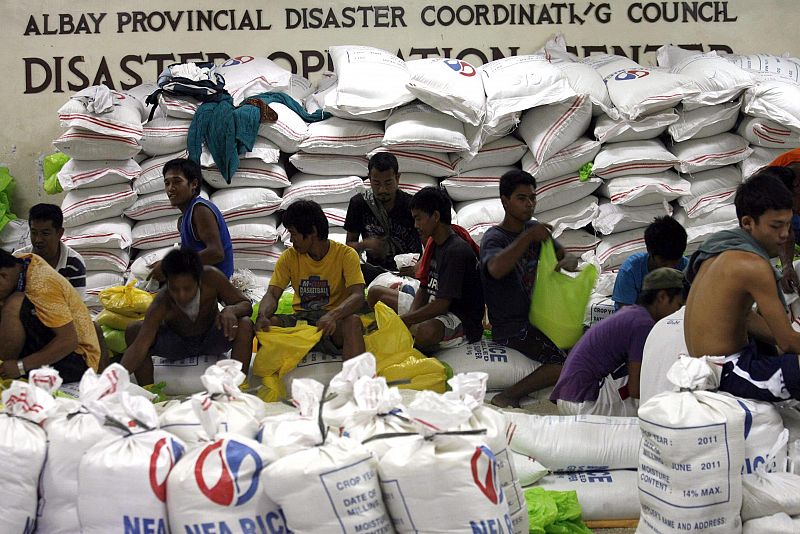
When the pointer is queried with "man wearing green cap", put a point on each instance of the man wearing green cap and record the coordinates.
(601, 374)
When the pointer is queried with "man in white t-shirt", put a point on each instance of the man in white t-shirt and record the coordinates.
(663, 347)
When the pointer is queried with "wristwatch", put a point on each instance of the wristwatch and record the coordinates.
(21, 367)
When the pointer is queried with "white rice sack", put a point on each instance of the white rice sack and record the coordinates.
(151, 178)
(633, 157)
(602, 494)
(184, 376)
(572, 216)
(699, 228)
(760, 157)
(252, 173)
(139, 458)
(578, 242)
(315, 365)
(246, 202)
(152, 206)
(503, 365)
(156, 233)
(264, 150)
(261, 259)
(76, 173)
(475, 185)
(608, 130)
(23, 448)
(418, 126)
(142, 266)
(776, 99)
(645, 189)
(566, 161)
(140, 93)
(97, 281)
(325, 99)
(576, 443)
(585, 80)
(252, 233)
(718, 79)
(342, 137)
(82, 144)
(123, 120)
(767, 133)
(233, 411)
(369, 79)
(637, 91)
(165, 135)
(613, 218)
(705, 121)
(451, 86)
(505, 151)
(517, 83)
(411, 182)
(98, 259)
(697, 155)
(335, 213)
(247, 76)
(330, 164)
(420, 162)
(287, 132)
(81, 206)
(562, 191)
(614, 249)
(548, 129)
(180, 107)
(477, 216)
(529, 471)
(322, 189)
(109, 233)
(779, 523)
(765, 445)
(779, 66)
(711, 189)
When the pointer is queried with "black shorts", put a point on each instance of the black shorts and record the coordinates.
(173, 346)
(37, 336)
(753, 375)
(531, 342)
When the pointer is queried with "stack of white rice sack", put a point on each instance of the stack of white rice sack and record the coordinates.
(103, 135)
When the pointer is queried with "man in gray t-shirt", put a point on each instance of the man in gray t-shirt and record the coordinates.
(509, 258)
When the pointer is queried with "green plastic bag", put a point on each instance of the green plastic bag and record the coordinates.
(51, 165)
(7, 185)
(115, 339)
(559, 301)
(554, 512)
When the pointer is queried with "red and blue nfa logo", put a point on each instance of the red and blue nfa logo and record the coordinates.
(461, 67)
(484, 473)
(632, 74)
(238, 60)
(237, 480)
(166, 452)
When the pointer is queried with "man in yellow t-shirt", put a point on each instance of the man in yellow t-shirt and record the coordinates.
(326, 278)
(43, 321)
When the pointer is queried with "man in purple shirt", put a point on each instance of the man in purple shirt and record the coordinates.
(601, 374)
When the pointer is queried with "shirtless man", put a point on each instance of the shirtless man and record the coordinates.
(184, 319)
(729, 273)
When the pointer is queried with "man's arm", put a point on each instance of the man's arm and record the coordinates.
(790, 282)
(634, 374)
(267, 307)
(374, 245)
(758, 277)
(207, 230)
(757, 327)
(139, 349)
(236, 307)
(64, 342)
(504, 261)
(434, 308)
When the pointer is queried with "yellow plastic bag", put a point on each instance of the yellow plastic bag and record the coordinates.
(126, 300)
(559, 301)
(281, 349)
(116, 321)
(397, 359)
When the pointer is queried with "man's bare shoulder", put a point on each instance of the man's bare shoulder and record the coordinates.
(213, 277)
(743, 263)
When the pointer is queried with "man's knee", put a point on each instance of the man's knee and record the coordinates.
(374, 295)
(428, 333)
(351, 324)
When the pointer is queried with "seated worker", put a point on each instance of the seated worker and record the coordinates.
(326, 278)
(509, 258)
(43, 321)
(46, 224)
(201, 225)
(593, 380)
(665, 240)
(448, 306)
(184, 318)
(664, 346)
(729, 273)
(381, 219)
(789, 173)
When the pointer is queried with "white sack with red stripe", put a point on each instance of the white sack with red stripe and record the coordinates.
(585, 80)
(96, 282)
(451, 86)
(705, 121)
(165, 135)
(151, 178)
(633, 157)
(548, 129)
(420, 161)
(418, 126)
(412, 182)
(143, 265)
(260, 259)
(76, 173)
(82, 144)
(123, 118)
(287, 132)
(701, 227)
(718, 79)
(321, 189)
(477, 216)
(767, 133)
(159, 233)
(247, 76)
(240, 203)
(325, 99)
(758, 159)
(578, 242)
(608, 130)
(154, 206)
(252, 172)
(563, 191)
(710, 190)
(615, 248)
(612, 218)
(85, 205)
(98, 259)
(252, 233)
(507, 150)
(335, 213)
(109, 233)
(645, 189)
(577, 442)
(475, 185)
(330, 164)
(342, 137)
(566, 161)
(570, 217)
(707, 153)
(180, 107)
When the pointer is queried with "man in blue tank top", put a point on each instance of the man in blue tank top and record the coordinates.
(201, 225)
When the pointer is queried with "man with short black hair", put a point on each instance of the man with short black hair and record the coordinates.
(46, 224)
(379, 220)
(665, 240)
(184, 318)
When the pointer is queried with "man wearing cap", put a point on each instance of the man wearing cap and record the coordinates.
(601, 374)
